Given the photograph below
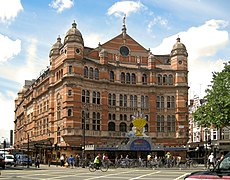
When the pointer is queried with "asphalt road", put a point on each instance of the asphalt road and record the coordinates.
(58, 173)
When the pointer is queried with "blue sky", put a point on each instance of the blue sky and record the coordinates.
(29, 28)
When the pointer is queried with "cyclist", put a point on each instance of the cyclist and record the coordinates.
(97, 161)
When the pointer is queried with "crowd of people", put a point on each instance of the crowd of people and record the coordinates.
(151, 160)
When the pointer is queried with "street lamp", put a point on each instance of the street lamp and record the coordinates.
(85, 116)
(4, 153)
(206, 146)
(28, 148)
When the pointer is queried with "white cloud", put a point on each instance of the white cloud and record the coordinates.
(92, 40)
(60, 5)
(6, 109)
(202, 43)
(9, 9)
(157, 20)
(9, 48)
(124, 7)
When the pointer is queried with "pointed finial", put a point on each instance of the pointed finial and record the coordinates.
(124, 28)
(124, 19)
(74, 25)
(59, 38)
(178, 39)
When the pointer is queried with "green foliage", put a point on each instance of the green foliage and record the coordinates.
(216, 111)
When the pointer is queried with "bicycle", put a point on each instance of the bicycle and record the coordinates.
(190, 163)
(93, 167)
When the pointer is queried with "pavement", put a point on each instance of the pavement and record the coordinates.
(46, 167)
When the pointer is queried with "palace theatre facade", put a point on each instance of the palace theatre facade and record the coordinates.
(87, 97)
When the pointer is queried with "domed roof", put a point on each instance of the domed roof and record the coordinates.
(73, 35)
(57, 44)
(179, 49)
(55, 48)
(178, 45)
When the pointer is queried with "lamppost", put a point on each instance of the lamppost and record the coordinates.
(28, 148)
(85, 116)
(4, 150)
(206, 146)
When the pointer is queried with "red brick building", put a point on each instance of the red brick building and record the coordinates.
(102, 88)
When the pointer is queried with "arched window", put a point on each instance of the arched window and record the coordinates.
(123, 127)
(164, 79)
(86, 72)
(121, 100)
(125, 117)
(159, 79)
(125, 100)
(142, 102)
(173, 102)
(162, 102)
(127, 78)
(158, 101)
(98, 98)
(168, 102)
(122, 77)
(170, 79)
(135, 101)
(133, 78)
(70, 70)
(87, 96)
(111, 126)
(114, 117)
(114, 99)
(85, 120)
(96, 121)
(110, 100)
(111, 76)
(96, 74)
(146, 102)
(121, 117)
(83, 96)
(160, 123)
(144, 79)
(91, 73)
(59, 108)
(169, 121)
(173, 123)
(131, 101)
(94, 97)
(69, 112)
(110, 116)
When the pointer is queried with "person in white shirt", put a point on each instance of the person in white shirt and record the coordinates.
(211, 160)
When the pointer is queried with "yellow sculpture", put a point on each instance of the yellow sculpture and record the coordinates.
(139, 123)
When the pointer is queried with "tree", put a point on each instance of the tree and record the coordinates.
(216, 111)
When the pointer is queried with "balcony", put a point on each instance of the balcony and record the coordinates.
(79, 132)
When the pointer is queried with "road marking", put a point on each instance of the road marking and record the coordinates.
(181, 176)
(125, 172)
(145, 175)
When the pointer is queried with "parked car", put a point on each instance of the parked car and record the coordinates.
(9, 159)
(22, 159)
(2, 162)
(220, 171)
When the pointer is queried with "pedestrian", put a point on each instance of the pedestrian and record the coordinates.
(77, 160)
(168, 158)
(211, 160)
(178, 160)
(37, 161)
(62, 160)
(71, 161)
